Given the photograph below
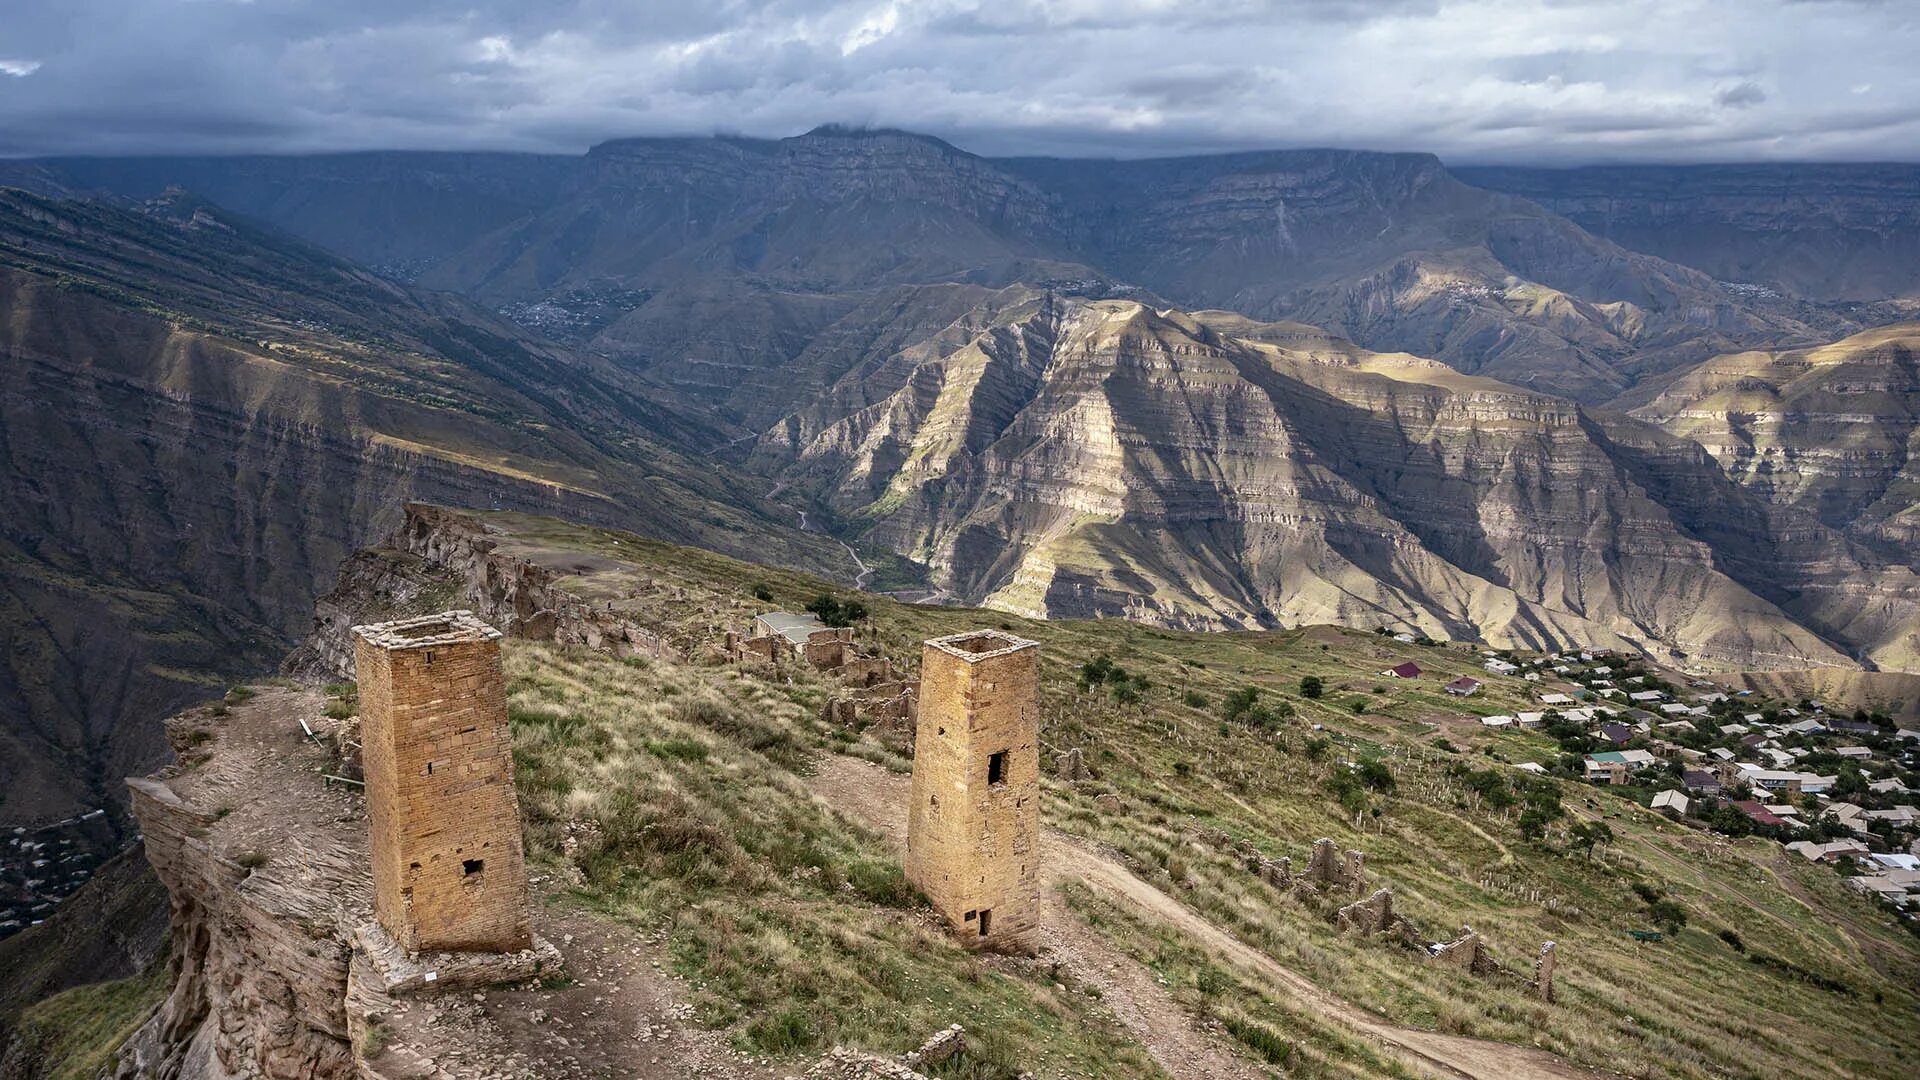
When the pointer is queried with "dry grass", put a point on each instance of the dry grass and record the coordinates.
(671, 797)
(1690, 1006)
(75, 1034)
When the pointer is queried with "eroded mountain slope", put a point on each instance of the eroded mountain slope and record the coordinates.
(1101, 458)
(202, 419)
(1834, 430)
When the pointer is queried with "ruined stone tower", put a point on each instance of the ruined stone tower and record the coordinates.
(448, 871)
(973, 829)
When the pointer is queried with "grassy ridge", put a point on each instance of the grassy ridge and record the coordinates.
(669, 797)
(1833, 999)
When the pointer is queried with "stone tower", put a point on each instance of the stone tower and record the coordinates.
(973, 830)
(448, 870)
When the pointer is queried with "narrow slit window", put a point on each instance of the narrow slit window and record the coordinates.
(997, 768)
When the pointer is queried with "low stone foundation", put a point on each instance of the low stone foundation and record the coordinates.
(1372, 916)
(399, 973)
(842, 1063)
(1466, 952)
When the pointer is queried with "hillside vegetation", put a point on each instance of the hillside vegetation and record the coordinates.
(675, 796)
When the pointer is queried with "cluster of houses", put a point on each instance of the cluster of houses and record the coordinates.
(1464, 686)
(1835, 789)
(39, 867)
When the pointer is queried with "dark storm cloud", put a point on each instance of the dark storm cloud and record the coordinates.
(1537, 80)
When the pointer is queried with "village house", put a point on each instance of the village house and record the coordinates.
(1555, 699)
(1671, 800)
(1606, 768)
(1701, 782)
(1757, 813)
(1829, 852)
(1613, 766)
(1464, 686)
(1408, 670)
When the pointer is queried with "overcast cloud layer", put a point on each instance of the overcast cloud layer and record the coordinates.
(1554, 81)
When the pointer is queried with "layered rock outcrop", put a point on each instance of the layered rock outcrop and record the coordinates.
(1080, 458)
(440, 557)
(1833, 430)
(267, 873)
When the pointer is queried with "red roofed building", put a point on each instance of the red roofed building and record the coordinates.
(1408, 670)
(1463, 686)
(1757, 812)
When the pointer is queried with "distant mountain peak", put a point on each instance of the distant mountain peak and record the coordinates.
(857, 131)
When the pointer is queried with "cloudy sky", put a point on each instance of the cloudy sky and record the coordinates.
(1561, 81)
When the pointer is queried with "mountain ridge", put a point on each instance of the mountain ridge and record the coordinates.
(1101, 458)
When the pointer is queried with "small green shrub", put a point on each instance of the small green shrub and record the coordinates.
(882, 883)
(678, 749)
(785, 1033)
(1259, 1038)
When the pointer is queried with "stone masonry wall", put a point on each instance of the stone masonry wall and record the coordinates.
(972, 845)
(448, 868)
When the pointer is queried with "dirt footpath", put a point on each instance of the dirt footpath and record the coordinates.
(878, 798)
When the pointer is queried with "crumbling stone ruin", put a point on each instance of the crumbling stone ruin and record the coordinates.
(945, 1044)
(874, 688)
(448, 870)
(1542, 984)
(842, 1063)
(1372, 916)
(1277, 873)
(1071, 766)
(973, 827)
(1332, 871)
(1466, 952)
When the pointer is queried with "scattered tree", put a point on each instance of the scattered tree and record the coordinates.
(837, 612)
(1587, 834)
